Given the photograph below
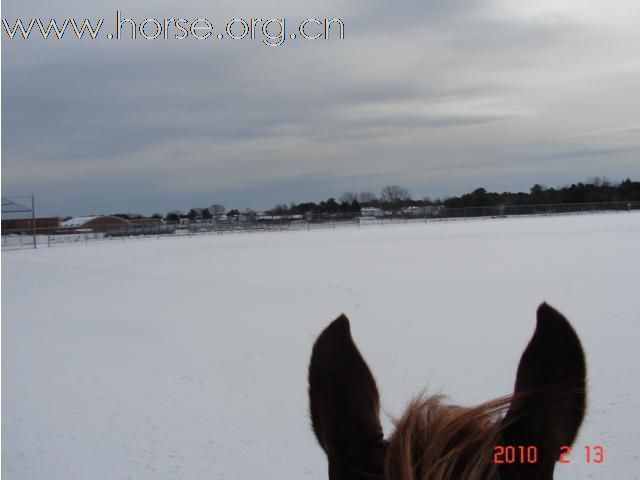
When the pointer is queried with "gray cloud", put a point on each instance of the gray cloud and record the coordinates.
(440, 96)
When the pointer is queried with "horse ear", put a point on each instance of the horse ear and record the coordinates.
(344, 403)
(550, 391)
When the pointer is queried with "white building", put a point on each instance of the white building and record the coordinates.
(371, 212)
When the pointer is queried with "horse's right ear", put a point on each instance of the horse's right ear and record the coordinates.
(550, 393)
(344, 404)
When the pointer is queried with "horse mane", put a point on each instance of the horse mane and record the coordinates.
(437, 441)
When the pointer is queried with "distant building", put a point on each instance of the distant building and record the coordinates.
(25, 225)
(434, 210)
(371, 212)
(99, 223)
(145, 221)
(413, 211)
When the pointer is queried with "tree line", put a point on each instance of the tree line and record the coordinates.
(396, 197)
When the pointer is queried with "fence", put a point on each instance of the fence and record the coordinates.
(20, 211)
(17, 239)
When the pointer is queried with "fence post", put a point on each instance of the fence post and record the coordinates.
(33, 219)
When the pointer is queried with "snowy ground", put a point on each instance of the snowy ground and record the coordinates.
(186, 358)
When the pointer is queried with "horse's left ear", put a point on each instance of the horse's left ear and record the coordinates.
(344, 404)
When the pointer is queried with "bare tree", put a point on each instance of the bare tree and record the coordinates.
(217, 210)
(394, 194)
(349, 197)
(366, 197)
(599, 181)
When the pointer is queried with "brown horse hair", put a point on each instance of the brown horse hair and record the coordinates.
(437, 441)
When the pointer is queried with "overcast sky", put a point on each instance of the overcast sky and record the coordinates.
(438, 96)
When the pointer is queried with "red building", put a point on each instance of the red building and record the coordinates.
(25, 225)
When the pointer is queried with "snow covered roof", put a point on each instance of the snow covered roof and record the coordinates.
(77, 222)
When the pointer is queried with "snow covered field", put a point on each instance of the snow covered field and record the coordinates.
(186, 358)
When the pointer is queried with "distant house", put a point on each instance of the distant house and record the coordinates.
(371, 212)
(413, 211)
(98, 223)
(427, 211)
(434, 210)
